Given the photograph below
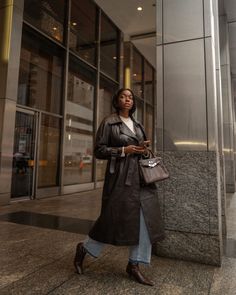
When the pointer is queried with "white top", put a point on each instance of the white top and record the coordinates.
(129, 123)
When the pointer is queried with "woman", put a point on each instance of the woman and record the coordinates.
(130, 213)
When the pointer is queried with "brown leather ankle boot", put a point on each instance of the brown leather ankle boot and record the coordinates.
(134, 271)
(79, 258)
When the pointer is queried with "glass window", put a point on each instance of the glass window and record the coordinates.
(109, 48)
(49, 151)
(148, 83)
(40, 78)
(139, 111)
(47, 15)
(79, 124)
(82, 29)
(106, 92)
(137, 73)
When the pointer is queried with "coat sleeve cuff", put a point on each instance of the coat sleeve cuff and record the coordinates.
(116, 152)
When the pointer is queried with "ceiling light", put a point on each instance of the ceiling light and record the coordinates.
(134, 75)
(139, 8)
(74, 24)
(114, 57)
(54, 28)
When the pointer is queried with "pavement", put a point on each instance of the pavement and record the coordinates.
(38, 240)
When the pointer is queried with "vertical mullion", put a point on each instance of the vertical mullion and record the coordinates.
(118, 54)
(143, 93)
(96, 102)
(37, 135)
(36, 141)
(154, 111)
(64, 95)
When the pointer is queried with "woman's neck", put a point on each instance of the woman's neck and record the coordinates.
(124, 114)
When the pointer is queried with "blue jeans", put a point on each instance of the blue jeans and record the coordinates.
(137, 253)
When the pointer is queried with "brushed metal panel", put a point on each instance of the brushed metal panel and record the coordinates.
(159, 16)
(214, 104)
(182, 20)
(184, 96)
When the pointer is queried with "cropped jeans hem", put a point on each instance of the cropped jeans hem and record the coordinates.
(140, 253)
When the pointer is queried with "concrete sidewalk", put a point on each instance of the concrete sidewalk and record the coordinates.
(38, 240)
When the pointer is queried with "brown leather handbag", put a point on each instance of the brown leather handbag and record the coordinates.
(152, 168)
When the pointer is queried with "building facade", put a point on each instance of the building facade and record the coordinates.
(60, 65)
(68, 62)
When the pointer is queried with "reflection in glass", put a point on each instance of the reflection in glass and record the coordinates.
(23, 155)
(148, 83)
(137, 73)
(149, 122)
(49, 150)
(40, 77)
(82, 29)
(139, 111)
(79, 124)
(106, 91)
(109, 48)
(47, 15)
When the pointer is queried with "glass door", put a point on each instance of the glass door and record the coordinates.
(23, 169)
(48, 155)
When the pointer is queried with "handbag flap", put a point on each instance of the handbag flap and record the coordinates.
(152, 162)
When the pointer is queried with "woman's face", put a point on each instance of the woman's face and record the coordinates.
(125, 100)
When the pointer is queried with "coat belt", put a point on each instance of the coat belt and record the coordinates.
(130, 169)
(112, 165)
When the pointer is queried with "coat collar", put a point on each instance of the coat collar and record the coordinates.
(125, 130)
(115, 119)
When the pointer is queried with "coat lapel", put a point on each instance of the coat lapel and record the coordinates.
(125, 130)
(139, 135)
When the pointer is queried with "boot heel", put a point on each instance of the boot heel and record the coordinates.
(135, 273)
(79, 258)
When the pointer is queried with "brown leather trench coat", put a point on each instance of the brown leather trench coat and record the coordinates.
(123, 192)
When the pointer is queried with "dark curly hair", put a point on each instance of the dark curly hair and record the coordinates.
(115, 102)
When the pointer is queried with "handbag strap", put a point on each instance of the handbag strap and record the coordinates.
(149, 155)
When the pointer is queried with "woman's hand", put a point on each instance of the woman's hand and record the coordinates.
(134, 149)
(145, 143)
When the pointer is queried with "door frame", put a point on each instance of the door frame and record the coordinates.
(34, 176)
(37, 193)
